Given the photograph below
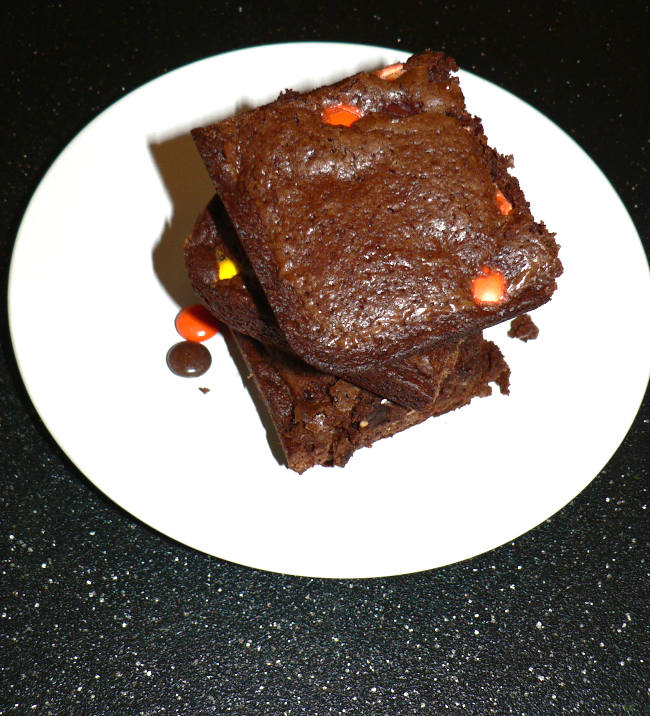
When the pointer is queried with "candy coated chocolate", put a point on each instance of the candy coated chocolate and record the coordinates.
(188, 359)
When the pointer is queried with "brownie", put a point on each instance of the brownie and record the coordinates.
(368, 240)
(239, 302)
(322, 420)
(524, 328)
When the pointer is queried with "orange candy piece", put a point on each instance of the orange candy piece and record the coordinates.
(504, 206)
(489, 287)
(195, 323)
(392, 72)
(341, 115)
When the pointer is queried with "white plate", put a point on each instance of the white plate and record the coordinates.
(96, 280)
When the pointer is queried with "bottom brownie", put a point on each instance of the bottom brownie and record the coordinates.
(322, 420)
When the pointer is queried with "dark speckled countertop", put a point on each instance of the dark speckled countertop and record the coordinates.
(99, 614)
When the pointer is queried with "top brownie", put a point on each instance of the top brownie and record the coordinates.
(377, 240)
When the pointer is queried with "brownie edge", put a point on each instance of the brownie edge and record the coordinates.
(323, 420)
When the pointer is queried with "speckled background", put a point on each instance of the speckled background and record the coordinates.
(101, 615)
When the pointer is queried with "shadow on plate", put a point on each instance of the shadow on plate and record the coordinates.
(190, 189)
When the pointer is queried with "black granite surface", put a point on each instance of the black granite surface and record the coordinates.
(101, 615)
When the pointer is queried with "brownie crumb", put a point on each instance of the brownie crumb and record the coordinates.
(288, 94)
(204, 390)
(523, 328)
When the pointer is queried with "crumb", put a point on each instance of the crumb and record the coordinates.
(523, 328)
(204, 390)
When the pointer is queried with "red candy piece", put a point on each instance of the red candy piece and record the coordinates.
(341, 115)
(195, 323)
(489, 287)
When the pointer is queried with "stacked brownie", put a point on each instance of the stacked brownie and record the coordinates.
(363, 235)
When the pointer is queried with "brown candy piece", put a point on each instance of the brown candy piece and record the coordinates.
(188, 359)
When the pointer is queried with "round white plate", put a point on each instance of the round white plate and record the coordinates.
(97, 279)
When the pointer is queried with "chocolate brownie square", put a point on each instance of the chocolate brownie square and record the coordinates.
(377, 219)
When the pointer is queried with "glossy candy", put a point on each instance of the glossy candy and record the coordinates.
(227, 269)
(188, 359)
(195, 323)
(341, 115)
(489, 287)
(504, 206)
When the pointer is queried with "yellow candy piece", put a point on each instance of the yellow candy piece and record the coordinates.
(227, 269)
